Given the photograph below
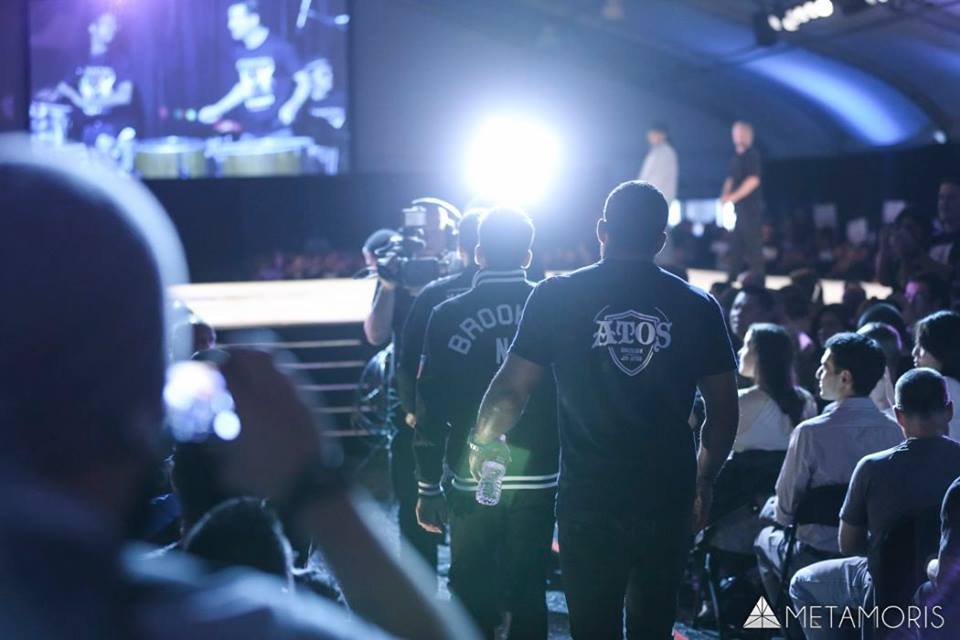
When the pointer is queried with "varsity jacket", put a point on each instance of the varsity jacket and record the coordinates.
(411, 344)
(466, 341)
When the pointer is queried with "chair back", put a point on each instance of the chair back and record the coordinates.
(747, 478)
(821, 505)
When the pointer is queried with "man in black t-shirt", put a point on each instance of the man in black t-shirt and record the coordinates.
(101, 89)
(271, 86)
(742, 189)
(628, 345)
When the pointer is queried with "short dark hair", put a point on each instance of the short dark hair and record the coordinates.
(505, 236)
(838, 310)
(939, 333)
(764, 296)
(921, 392)
(887, 314)
(636, 216)
(467, 230)
(912, 212)
(886, 336)
(939, 289)
(241, 532)
(861, 356)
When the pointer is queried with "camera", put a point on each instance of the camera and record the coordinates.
(398, 261)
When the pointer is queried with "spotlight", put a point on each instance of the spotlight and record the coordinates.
(797, 15)
(512, 160)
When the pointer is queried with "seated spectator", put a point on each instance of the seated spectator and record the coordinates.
(903, 251)
(751, 305)
(773, 406)
(824, 451)
(854, 295)
(797, 313)
(876, 310)
(945, 248)
(888, 313)
(938, 347)
(889, 340)
(885, 487)
(827, 322)
(925, 293)
(81, 425)
(769, 410)
(242, 532)
(944, 571)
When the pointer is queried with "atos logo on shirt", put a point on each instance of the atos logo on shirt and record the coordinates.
(632, 338)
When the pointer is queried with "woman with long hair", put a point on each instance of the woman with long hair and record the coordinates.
(938, 347)
(774, 405)
(769, 410)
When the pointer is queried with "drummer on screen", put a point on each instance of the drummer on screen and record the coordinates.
(101, 88)
(271, 88)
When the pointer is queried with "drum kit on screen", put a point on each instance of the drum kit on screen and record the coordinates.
(186, 157)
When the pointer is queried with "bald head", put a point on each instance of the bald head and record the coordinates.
(84, 255)
(742, 135)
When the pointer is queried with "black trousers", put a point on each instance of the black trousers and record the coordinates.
(611, 562)
(403, 475)
(746, 250)
(498, 559)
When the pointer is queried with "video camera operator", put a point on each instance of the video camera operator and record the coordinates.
(421, 252)
(408, 360)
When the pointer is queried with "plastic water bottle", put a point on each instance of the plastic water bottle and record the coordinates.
(491, 482)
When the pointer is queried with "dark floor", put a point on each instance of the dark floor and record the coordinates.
(371, 462)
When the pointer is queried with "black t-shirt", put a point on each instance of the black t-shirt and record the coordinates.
(627, 343)
(323, 120)
(100, 76)
(269, 71)
(742, 166)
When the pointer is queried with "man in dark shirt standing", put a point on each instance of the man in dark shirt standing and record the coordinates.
(392, 303)
(628, 345)
(467, 339)
(742, 189)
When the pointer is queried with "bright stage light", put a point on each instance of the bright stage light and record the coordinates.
(512, 160)
(675, 215)
(726, 215)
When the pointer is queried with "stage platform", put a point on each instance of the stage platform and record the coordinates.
(286, 303)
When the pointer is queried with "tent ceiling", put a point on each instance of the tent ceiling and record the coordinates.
(886, 76)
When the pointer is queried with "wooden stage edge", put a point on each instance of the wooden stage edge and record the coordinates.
(249, 305)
